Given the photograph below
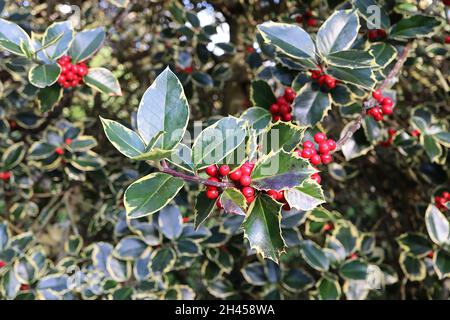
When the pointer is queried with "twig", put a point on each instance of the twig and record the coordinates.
(369, 103)
(196, 179)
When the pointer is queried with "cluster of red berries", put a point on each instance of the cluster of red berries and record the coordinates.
(328, 227)
(324, 80)
(440, 201)
(385, 106)
(5, 176)
(388, 142)
(281, 109)
(322, 154)
(59, 150)
(310, 21)
(376, 35)
(71, 74)
(240, 177)
(188, 69)
(279, 196)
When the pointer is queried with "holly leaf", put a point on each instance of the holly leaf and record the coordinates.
(218, 141)
(57, 39)
(261, 94)
(163, 107)
(48, 97)
(85, 44)
(203, 208)
(441, 263)
(338, 32)
(305, 197)
(13, 38)
(150, 194)
(289, 39)
(262, 227)
(311, 106)
(367, 11)
(13, 155)
(314, 256)
(257, 117)
(384, 53)
(351, 58)
(44, 75)
(281, 135)
(437, 225)
(281, 170)
(357, 145)
(362, 77)
(233, 201)
(126, 141)
(104, 81)
(416, 26)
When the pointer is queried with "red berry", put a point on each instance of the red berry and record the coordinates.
(430, 254)
(290, 96)
(281, 101)
(284, 109)
(274, 108)
(306, 153)
(236, 175)
(185, 219)
(327, 227)
(287, 117)
(447, 39)
(326, 158)
(315, 74)
(249, 164)
(387, 102)
(330, 82)
(387, 110)
(320, 137)
(353, 255)
(381, 34)
(273, 194)
(250, 49)
(246, 170)
(280, 196)
(2, 264)
(377, 95)
(248, 192)
(316, 177)
(308, 13)
(276, 118)
(224, 170)
(213, 179)
(315, 160)
(391, 131)
(415, 133)
(331, 144)
(299, 18)
(311, 22)
(68, 141)
(211, 170)
(324, 148)
(249, 199)
(288, 91)
(372, 35)
(245, 181)
(188, 70)
(446, 195)
(59, 151)
(212, 193)
(286, 207)
(308, 144)
(5, 176)
(218, 204)
(24, 287)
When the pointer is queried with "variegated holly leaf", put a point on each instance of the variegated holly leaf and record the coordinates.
(416, 26)
(305, 197)
(311, 105)
(233, 201)
(262, 227)
(203, 208)
(281, 170)
(261, 94)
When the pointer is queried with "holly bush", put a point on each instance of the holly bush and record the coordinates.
(224, 149)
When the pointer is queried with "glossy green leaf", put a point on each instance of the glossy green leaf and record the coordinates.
(441, 263)
(384, 53)
(415, 243)
(203, 208)
(13, 155)
(373, 13)
(437, 225)
(413, 268)
(44, 75)
(64, 33)
(354, 269)
(362, 77)
(257, 117)
(170, 222)
(351, 58)
(314, 256)
(338, 32)
(150, 194)
(261, 94)
(49, 97)
(328, 288)
(280, 135)
(85, 44)
(233, 201)
(12, 37)
(262, 227)
(416, 26)
(281, 170)
(163, 107)
(104, 81)
(305, 197)
(289, 39)
(311, 106)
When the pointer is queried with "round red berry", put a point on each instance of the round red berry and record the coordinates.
(372, 35)
(326, 158)
(249, 199)
(213, 179)
(212, 193)
(245, 181)
(306, 153)
(185, 219)
(330, 82)
(315, 74)
(377, 95)
(274, 108)
(331, 144)
(387, 110)
(315, 160)
(284, 109)
(391, 131)
(324, 148)
(316, 177)
(286, 207)
(276, 118)
(68, 141)
(246, 170)
(236, 175)
(211, 170)
(320, 137)
(308, 144)
(299, 18)
(2, 264)
(248, 192)
(387, 102)
(311, 22)
(281, 101)
(224, 170)
(273, 194)
(219, 204)
(59, 151)
(287, 117)
(447, 40)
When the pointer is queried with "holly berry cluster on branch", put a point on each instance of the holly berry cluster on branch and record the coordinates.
(385, 107)
(322, 154)
(282, 109)
(5, 176)
(324, 80)
(376, 35)
(71, 74)
(240, 177)
(441, 200)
